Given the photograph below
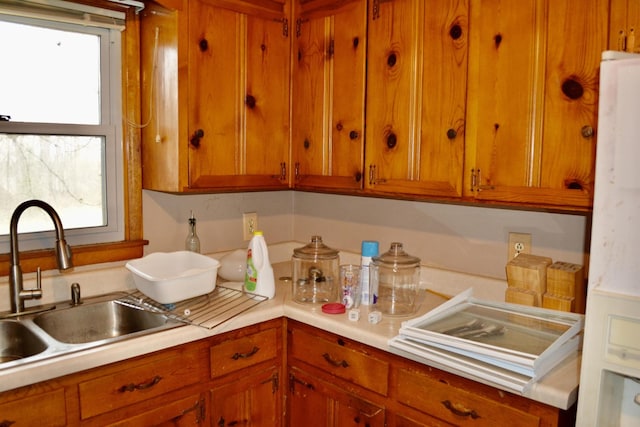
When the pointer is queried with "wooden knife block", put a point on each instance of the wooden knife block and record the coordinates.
(527, 279)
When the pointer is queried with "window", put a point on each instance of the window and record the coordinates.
(60, 128)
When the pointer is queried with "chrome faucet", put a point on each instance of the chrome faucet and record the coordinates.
(63, 256)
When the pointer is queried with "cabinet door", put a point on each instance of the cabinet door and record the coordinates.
(328, 405)
(625, 24)
(532, 109)
(238, 95)
(188, 411)
(254, 400)
(328, 94)
(416, 89)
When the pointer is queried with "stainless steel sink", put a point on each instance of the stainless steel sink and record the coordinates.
(40, 335)
(99, 321)
(17, 341)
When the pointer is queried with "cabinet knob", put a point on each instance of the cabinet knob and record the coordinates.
(392, 140)
(203, 44)
(587, 131)
(451, 133)
(572, 88)
(354, 134)
(358, 176)
(306, 144)
(250, 101)
(196, 137)
(392, 59)
(455, 32)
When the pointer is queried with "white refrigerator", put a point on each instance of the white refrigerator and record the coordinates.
(609, 393)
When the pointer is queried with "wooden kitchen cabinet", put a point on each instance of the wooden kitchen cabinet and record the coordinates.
(252, 399)
(416, 97)
(215, 95)
(342, 382)
(327, 404)
(532, 104)
(198, 383)
(246, 369)
(330, 47)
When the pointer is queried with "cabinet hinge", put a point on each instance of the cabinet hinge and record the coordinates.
(296, 171)
(331, 49)
(283, 171)
(476, 181)
(375, 8)
(293, 380)
(285, 26)
(275, 383)
(299, 23)
(373, 176)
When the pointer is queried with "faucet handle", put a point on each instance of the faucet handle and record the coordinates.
(35, 293)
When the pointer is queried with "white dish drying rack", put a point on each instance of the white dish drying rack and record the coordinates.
(207, 311)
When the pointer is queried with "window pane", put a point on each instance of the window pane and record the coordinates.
(64, 171)
(54, 75)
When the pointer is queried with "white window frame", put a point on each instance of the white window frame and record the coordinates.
(110, 127)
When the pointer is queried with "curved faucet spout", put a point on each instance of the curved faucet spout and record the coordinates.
(63, 254)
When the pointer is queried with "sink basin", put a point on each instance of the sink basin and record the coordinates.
(18, 342)
(99, 321)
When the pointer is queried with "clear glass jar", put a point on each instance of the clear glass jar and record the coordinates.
(395, 278)
(315, 273)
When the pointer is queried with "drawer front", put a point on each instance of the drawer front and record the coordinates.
(46, 408)
(137, 382)
(455, 405)
(339, 360)
(243, 352)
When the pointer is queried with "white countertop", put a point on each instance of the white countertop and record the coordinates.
(559, 388)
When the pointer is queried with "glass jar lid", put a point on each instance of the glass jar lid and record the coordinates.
(315, 250)
(396, 257)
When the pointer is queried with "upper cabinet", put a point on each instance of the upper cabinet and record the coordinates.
(329, 58)
(485, 102)
(416, 96)
(532, 101)
(215, 95)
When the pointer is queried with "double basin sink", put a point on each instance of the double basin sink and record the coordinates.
(65, 329)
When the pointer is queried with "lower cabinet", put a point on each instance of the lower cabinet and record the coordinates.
(339, 382)
(246, 368)
(229, 379)
(312, 398)
(276, 373)
(251, 400)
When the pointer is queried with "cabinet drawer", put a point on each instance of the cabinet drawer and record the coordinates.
(240, 353)
(337, 358)
(48, 408)
(456, 405)
(134, 382)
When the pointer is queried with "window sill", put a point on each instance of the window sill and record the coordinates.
(82, 255)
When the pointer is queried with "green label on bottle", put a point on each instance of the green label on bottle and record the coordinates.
(251, 276)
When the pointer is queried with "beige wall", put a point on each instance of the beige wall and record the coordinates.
(459, 238)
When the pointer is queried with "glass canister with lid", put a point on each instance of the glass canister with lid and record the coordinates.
(395, 279)
(315, 272)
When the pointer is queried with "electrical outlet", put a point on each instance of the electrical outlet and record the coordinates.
(249, 224)
(519, 243)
